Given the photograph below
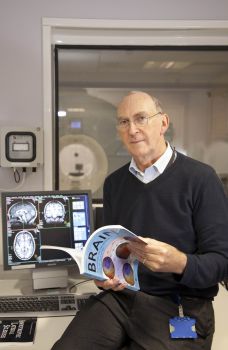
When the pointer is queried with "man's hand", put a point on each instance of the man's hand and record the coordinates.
(159, 256)
(113, 284)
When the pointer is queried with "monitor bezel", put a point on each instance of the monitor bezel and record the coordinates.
(37, 265)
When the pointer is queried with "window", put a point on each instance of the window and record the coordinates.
(190, 81)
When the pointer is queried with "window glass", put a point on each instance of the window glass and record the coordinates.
(191, 83)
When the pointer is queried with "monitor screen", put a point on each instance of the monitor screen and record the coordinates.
(32, 219)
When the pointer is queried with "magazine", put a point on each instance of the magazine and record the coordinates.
(105, 255)
(20, 330)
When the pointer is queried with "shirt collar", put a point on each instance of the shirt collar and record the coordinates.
(163, 161)
(159, 165)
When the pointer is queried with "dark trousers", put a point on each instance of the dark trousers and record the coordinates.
(136, 321)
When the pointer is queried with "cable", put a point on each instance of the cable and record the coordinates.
(19, 184)
(78, 283)
(16, 175)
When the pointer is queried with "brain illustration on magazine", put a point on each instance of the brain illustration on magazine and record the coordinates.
(118, 262)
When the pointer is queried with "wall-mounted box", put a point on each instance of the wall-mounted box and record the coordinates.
(21, 147)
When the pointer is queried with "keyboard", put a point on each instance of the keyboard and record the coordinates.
(41, 305)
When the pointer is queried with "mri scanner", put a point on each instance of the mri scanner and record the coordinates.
(83, 162)
(88, 146)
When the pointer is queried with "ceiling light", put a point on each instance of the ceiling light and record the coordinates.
(62, 113)
(167, 65)
(148, 64)
(76, 109)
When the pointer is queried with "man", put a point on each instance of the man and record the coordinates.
(178, 206)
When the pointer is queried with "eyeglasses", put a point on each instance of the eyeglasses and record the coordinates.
(139, 121)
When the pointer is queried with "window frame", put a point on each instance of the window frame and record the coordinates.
(117, 33)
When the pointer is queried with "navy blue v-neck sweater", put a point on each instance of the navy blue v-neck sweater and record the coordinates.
(186, 207)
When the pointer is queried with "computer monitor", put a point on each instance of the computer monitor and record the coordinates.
(36, 218)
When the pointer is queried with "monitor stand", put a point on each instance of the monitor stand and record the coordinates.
(46, 278)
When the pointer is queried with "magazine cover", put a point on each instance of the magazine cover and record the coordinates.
(17, 330)
(105, 255)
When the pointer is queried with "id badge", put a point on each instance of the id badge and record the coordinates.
(182, 327)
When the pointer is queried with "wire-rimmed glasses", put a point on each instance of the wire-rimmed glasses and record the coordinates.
(139, 121)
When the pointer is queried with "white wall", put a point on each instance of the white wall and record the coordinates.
(21, 46)
(21, 56)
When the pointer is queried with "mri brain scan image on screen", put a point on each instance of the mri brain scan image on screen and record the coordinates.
(54, 212)
(24, 245)
(35, 218)
(22, 213)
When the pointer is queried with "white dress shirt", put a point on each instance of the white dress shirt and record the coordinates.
(155, 169)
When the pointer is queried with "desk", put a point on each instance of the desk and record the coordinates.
(48, 329)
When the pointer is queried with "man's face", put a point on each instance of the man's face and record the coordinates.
(142, 141)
